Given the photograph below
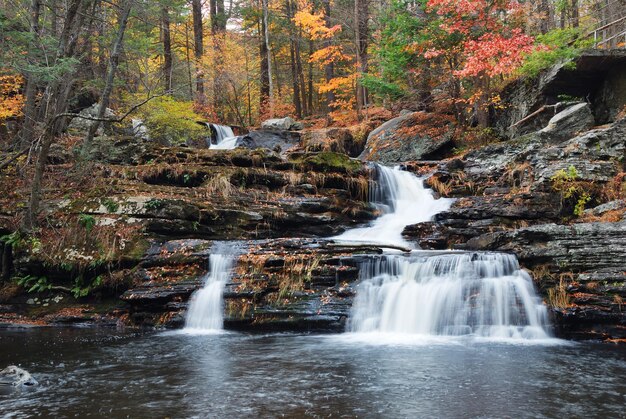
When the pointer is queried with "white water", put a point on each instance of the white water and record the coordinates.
(435, 295)
(206, 312)
(403, 200)
(484, 295)
(226, 139)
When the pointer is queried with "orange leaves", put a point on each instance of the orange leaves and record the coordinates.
(314, 25)
(11, 99)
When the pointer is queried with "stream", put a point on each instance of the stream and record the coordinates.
(104, 373)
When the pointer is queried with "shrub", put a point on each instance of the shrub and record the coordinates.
(172, 121)
(561, 45)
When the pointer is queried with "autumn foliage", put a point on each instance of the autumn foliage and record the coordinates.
(11, 98)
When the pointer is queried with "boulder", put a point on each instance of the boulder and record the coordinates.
(619, 204)
(570, 121)
(80, 126)
(140, 130)
(16, 377)
(281, 124)
(276, 140)
(117, 150)
(413, 136)
(338, 140)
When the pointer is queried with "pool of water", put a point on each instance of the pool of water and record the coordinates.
(107, 373)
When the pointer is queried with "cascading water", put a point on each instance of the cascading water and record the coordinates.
(479, 294)
(441, 294)
(205, 313)
(402, 198)
(225, 138)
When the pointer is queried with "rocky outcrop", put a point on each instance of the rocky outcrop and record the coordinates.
(596, 77)
(475, 215)
(412, 136)
(278, 284)
(580, 269)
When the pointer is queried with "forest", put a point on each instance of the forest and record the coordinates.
(333, 63)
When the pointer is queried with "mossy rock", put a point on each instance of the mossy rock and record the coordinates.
(327, 161)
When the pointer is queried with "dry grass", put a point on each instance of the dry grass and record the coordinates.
(218, 185)
(558, 296)
(442, 188)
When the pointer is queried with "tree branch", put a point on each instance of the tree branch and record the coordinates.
(120, 119)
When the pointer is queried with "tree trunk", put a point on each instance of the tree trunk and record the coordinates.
(268, 49)
(30, 109)
(575, 14)
(198, 39)
(300, 72)
(167, 48)
(329, 69)
(310, 81)
(296, 84)
(58, 91)
(114, 59)
(544, 10)
(361, 14)
(263, 57)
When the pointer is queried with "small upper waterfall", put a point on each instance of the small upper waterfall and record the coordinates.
(479, 294)
(206, 312)
(225, 138)
(404, 200)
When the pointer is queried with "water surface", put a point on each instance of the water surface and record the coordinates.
(86, 372)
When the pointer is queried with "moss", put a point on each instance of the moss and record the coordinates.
(327, 161)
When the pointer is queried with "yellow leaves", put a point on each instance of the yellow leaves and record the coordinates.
(328, 55)
(314, 25)
(11, 99)
(339, 83)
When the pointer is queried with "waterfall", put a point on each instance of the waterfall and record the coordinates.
(206, 312)
(433, 293)
(403, 200)
(478, 294)
(225, 138)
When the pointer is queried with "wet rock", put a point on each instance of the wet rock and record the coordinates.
(475, 215)
(413, 136)
(16, 377)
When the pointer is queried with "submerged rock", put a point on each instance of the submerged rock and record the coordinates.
(16, 377)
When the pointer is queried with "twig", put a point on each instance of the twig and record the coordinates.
(12, 159)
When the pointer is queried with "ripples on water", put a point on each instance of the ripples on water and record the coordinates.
(94, 372)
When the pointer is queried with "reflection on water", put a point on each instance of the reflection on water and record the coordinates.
(103, 373)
